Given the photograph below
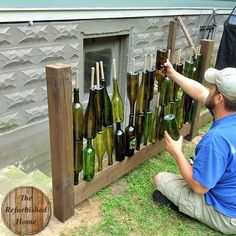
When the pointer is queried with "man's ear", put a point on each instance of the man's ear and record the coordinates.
(219, 98)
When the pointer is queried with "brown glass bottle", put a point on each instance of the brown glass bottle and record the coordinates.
(132, 89)
(77, 135)
(130, 139)
(119, 143)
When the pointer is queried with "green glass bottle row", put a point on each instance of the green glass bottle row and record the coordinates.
(172, 110)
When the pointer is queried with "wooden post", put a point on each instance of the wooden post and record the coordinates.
(171, 38)
(206, 51)
(59, 91)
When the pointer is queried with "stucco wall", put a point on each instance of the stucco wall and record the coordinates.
(25, 51)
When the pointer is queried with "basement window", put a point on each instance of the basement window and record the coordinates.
(100, 49)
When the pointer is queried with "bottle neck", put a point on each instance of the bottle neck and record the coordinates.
(76, 95)
(89, 143)
(103, 83)
(115, 86)
(131, 119)
(118, 127)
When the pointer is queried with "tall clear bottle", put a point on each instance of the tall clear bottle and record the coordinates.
(90, 131)
(77, 131)
(108, 119)
(118, 117)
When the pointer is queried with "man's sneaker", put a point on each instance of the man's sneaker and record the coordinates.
(159, 198)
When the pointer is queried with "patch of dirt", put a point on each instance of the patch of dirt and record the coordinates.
(87, 213)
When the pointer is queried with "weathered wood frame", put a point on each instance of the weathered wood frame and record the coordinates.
(65, 195)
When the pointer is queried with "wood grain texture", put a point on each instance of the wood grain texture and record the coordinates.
(59, 91)
(26, 210)
(111, 173)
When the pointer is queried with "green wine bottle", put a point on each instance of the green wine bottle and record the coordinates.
(141, 106)
(139, 125)
(198, 63)
(99, 147)
(90, 129)
(89, 134)
(98, 100)
(109, 134)
(164, 91)
(150, 79)
(119, 143)
(179, 68)
(77, 132)
(171, 126)
(107, 106)
(189, 70)
(88, 161)
(132, 87)
(78, 160)
(130, 139)
(149, 96)
(147, 126)
(155, 122)
(161, 123)
(117, 103)
(141, 97)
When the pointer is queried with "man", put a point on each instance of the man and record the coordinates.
(206, 190)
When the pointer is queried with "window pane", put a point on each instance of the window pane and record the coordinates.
(91, 58)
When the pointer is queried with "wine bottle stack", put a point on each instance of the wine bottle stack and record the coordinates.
(101, 124)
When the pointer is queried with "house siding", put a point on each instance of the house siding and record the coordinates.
(25, 50)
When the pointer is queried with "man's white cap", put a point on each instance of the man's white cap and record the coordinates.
(225, 80)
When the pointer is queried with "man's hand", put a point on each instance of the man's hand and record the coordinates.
(173, 147)
(169, 70)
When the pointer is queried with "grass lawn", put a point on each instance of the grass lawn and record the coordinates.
(127, 207)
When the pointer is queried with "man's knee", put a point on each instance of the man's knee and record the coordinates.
(156, 178)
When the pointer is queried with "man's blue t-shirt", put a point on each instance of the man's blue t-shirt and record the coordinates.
(215, 165)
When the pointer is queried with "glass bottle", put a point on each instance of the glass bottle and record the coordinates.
(98, 100)
(118, 117)
(107, 105)
(89, 133)
(99, 147)
(117, 103)
(130, 139)
(132, 87)
(139, 125)
(77, 132)
(109, 134)
(171, 126)
(155, 122)
(179, 68)
(160, 61)
(119, 143)
(88, 161)
(108, 119)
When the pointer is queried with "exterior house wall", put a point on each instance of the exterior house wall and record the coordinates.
(25, 50)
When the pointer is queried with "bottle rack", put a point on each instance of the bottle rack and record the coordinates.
(65, 195)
